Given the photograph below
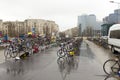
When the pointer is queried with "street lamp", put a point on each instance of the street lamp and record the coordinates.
(116, 3)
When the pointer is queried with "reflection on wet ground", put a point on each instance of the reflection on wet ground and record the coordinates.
(16, 69)
(29, 68)
(86, 52)
(66, 67)
(47, 66)
(81, 65)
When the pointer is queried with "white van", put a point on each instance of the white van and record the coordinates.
(114, 38)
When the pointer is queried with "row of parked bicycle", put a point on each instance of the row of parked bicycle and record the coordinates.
(22, 48)
(71, 45)
(100, 42)
(68, 55)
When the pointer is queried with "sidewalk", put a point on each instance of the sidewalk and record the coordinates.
(100, 53)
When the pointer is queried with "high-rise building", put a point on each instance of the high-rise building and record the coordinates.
(88, 24)
(108, 21)
(113, 17)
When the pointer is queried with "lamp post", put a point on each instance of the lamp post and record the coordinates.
(118, 3)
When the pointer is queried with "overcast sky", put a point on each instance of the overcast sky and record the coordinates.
(63, 12)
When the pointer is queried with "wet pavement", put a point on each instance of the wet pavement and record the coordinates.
(44, 66)
(2, 58)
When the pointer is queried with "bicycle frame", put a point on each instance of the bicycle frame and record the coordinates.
(115, 68)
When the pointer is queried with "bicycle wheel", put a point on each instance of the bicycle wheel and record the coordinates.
(13, 54)
(62, 52)
(111, 66)
(7, 53)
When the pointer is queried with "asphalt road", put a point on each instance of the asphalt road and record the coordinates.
(43, 66)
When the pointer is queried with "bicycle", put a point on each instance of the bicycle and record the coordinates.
(11, 51)
(112, 66)
(62, 51)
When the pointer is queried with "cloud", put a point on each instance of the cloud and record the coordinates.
(64, 12)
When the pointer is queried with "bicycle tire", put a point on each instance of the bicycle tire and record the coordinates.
(6, 53)
(13, 54)
(62, 53)
(112, 66)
